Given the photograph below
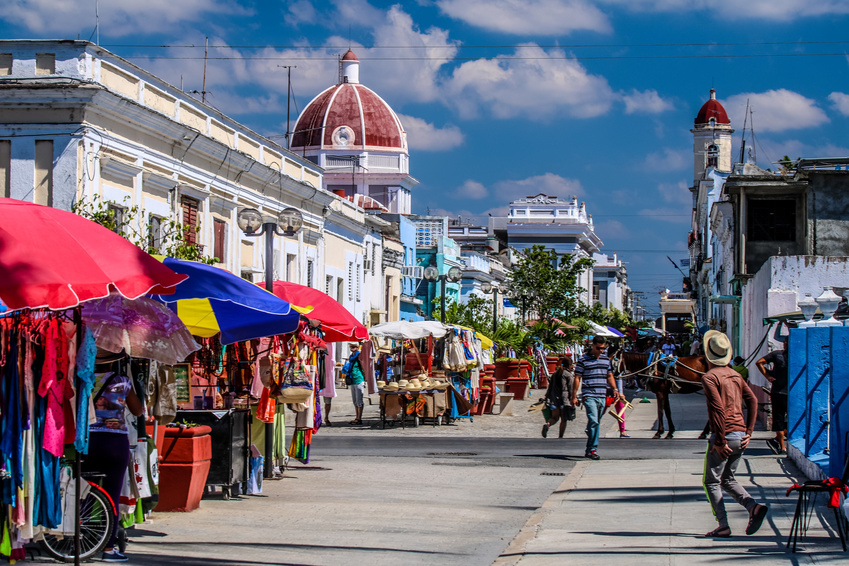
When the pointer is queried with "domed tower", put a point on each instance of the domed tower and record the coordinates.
(358, 139)
(711, 138)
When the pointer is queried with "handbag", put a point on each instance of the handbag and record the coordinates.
(295, 387)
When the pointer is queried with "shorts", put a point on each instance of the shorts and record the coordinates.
(779, 411)
(357, 392)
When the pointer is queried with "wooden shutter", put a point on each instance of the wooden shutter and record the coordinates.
(190, 219)
(219, 229)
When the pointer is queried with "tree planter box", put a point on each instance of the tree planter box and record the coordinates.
(487, 394)
(505, 369)
(184, 467)
(518, 386)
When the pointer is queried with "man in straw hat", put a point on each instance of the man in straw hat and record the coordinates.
(725, 391)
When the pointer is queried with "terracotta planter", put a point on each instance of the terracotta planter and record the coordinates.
(505, 369)
(487, 394)
(185, 465)
(551, 362)
(525, 369)
(518, 386)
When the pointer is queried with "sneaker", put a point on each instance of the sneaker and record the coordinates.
(545, 430)
(624, 435)
(114, 556)
(592, 455)
(774, 446)
(756, 518)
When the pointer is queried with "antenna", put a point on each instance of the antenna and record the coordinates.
(203, 88)
(288, 97)
(340, 70)
(743, 140)
(97, 21)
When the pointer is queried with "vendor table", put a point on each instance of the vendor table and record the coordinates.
(231, 432)
(393, 406)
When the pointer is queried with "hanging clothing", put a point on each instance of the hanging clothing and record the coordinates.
(367, 363)
(56, 388)
(329, 389)
(85, 382)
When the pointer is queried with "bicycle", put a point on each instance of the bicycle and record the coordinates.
(97, 519)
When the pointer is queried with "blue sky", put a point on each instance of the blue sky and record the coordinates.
(507, 98)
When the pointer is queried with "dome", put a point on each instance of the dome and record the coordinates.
(349, 116)
(712, 109)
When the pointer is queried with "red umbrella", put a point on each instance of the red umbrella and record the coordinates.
(338, 324)
(56, 259)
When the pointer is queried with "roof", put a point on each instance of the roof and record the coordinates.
(349, 56)
(348, 115)
(712, 109)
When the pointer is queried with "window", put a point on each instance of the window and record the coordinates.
(772, 220)
(5, 63)
(117, 213)
(359, 278)
(154, 234)
(291, 268)
(44, 172)
(350, 281)
(219, 233)
(190, 220)
(6, 168)
(596, 290)
(310, 270)
(328, 285)
(45, 63)
(373, 257)
(712, 155)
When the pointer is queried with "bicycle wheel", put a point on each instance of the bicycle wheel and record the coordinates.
(97, 519)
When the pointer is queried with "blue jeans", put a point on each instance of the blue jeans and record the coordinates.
(595, 409)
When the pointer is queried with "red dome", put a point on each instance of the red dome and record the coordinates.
(712, 109)
(348, 115)
(349, 56)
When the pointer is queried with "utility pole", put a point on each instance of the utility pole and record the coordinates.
(288, 97)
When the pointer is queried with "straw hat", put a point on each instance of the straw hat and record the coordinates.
(381, 384)
(427, 384)
(718, 349)
(415, 382)
(391, 386)
(440, 385)
(403, 383)
(412, 387)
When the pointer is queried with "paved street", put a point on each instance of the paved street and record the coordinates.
(489, 491)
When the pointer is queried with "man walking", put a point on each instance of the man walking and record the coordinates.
(777, 378)
(725, 392)
(593, 376)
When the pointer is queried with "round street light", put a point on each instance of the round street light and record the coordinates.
(431, 273)
(290, 220)
(486, 287)
(455, 274)
(249, 220)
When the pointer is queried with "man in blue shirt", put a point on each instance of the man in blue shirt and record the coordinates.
(593, 376)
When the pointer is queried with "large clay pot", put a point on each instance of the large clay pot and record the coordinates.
(518, 386)
(551, 362)
(186, 456)
(487, 394)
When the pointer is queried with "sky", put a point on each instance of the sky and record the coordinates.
(503, 99)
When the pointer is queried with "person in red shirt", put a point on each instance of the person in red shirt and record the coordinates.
(725, 392)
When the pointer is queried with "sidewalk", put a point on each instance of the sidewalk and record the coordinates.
(655, 511)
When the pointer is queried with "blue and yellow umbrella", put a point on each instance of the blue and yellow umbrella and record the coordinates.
(213, 300)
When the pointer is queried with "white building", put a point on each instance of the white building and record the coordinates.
(610, 283)
(80, 123)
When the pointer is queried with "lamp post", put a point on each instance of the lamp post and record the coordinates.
(252, 223)
(432, 275)
(488, 288)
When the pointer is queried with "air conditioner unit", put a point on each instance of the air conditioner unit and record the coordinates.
(414, 271)
(367, 264)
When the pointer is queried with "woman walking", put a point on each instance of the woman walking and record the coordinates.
(558, 397)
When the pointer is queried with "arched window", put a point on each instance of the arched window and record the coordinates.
(712, 122)
(712, 155)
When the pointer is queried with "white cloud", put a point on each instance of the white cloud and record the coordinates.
(548, 183)
(424, 136)
(669, 160)
(528, 17)
(299, 12)
(534, 83)
(645, 102)
(677, 193)
(611, 229)
(840, 101)
(665, 214)
(117, 17)
(473, 190)
(775, 110)
(771, 10)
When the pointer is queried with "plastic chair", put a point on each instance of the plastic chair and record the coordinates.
(807, 501)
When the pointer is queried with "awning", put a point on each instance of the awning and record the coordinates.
(726, 299)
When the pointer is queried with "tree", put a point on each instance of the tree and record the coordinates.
(174, 241)
(475, 313)
(546, 284)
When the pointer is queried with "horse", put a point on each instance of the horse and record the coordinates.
(660, 376)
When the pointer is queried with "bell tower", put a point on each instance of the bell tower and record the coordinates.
(711, 139)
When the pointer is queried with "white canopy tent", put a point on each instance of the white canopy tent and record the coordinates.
(405, 330)
(599, 330)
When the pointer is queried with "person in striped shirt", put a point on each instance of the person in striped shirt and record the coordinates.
(593, 376)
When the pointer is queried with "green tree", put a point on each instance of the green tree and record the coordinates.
(132, 226)
(547, 284)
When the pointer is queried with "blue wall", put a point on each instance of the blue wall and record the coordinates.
(818, 389)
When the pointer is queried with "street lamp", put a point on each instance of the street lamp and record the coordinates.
(252, 223)
(432, 275)
(488, 288)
